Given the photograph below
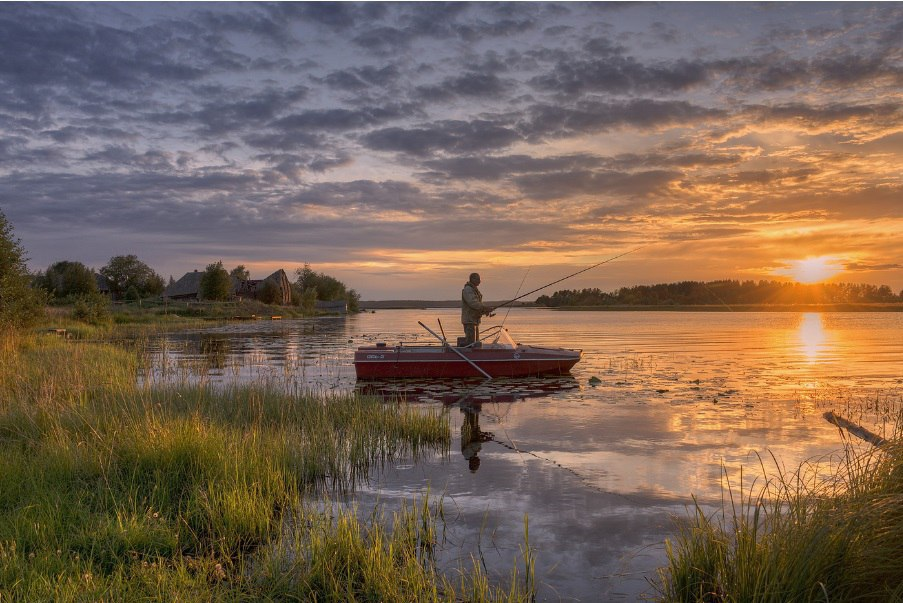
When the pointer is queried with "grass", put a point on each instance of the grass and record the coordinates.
(114, 491)
(803, 536)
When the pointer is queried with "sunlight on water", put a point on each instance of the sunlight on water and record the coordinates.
(812, 336)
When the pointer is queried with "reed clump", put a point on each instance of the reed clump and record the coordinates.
(804, 536)
(110, 490)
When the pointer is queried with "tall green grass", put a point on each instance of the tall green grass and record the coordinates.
(802, 536)
(114, 491)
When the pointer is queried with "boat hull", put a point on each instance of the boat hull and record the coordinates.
(402, 362)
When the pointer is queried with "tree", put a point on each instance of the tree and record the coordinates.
(68, 279)
(127, 271)
(241, 273)
(269, 292)
(20, 305)
(215, 283)
(328, 288)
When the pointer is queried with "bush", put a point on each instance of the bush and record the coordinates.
(93, 309)
(21, 305)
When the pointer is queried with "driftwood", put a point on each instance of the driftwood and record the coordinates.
(857, 430)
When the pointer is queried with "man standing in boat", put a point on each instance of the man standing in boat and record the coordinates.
(472, 309)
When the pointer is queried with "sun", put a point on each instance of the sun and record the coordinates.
(813, 270)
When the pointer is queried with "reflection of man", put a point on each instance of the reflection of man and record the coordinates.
(472, 309)
(471, 437)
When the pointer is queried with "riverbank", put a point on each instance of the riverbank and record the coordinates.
(801, 537)
(114, 491)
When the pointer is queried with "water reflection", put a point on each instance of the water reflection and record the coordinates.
(466, 391)
(812, 336)
(472, 437)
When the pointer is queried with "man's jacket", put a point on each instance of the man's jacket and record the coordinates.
(472, 307)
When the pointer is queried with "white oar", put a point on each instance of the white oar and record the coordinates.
(455, 350)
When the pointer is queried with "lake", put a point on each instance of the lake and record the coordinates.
(662, 407)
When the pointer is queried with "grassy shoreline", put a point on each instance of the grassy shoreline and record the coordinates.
(800, 537)
(114, 491)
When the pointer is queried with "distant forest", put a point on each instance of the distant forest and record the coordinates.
(727, 292)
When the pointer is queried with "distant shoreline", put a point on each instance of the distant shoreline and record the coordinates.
(865, 307)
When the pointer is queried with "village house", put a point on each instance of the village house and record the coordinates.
(276, 287)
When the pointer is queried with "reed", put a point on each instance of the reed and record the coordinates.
(803, 536)
(111, 490)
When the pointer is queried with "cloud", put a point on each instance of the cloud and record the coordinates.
(499, 167)
(340, 120)
(449, 136)
(600, 184)
(605, 68)
(468, 85)
(560, 121)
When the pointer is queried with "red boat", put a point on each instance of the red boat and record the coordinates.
(501, 357)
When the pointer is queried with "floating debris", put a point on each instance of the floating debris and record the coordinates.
(594, 381)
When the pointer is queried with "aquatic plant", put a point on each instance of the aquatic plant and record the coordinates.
(803, 536)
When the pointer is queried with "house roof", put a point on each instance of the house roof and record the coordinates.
(189, 284)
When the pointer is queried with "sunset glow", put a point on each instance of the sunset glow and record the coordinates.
(403, 145)
(813, 270)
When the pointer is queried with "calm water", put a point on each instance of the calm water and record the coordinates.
(662, 405)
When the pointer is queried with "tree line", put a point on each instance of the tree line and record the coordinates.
(723, 292)
(23, 295)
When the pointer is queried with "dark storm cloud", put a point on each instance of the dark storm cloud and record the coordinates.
(443, 136)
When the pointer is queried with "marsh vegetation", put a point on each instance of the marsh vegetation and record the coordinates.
(112, 490)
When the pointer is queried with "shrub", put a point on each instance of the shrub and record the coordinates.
(20, 305)
(93, 309)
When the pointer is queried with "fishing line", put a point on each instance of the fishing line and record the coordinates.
(587, 482)
(522, 281)
(611, 259)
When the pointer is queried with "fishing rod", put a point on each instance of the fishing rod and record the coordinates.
(519, 287)
(511, 301)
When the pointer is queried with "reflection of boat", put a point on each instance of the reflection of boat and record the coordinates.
(464, 392)
(500, 357)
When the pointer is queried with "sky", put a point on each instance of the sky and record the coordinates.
(400, 147)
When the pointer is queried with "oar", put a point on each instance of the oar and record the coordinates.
(455, 350)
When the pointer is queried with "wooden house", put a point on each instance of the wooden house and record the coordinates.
(274, 289)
